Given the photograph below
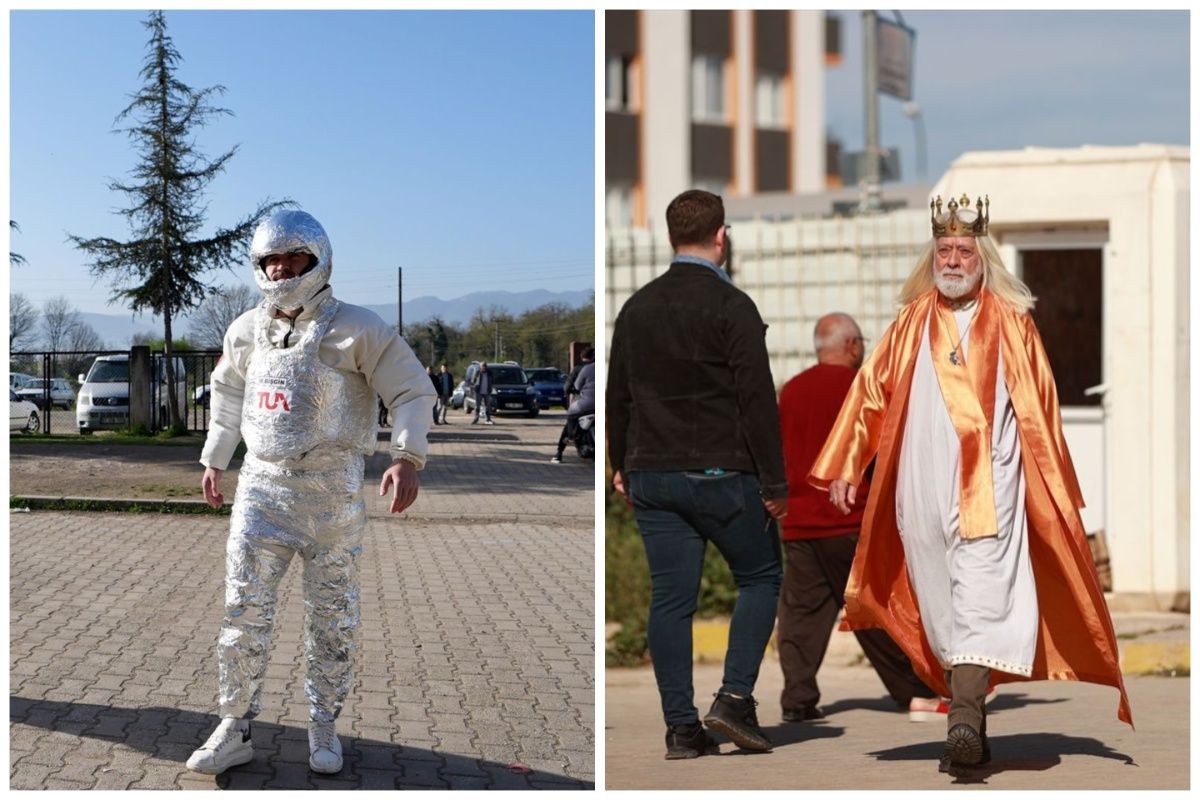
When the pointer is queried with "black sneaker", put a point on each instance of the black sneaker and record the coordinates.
(736, 718)
(803, 714)
(689, 741)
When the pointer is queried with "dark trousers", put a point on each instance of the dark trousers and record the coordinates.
(814, 589)
(483, 402)
(568, 432)
(678, 513)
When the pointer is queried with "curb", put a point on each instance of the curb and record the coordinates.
(1170, 657)
(19, 503)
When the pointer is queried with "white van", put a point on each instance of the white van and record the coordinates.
(103, 402)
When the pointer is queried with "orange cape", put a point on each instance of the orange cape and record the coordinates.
(1075, 633)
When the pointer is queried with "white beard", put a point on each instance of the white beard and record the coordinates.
(953, 288)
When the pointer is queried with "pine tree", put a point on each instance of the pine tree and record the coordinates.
(161, 268)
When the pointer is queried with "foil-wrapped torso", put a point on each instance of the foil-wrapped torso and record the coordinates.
(299, 413)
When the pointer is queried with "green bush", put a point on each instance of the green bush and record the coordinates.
(627, 583)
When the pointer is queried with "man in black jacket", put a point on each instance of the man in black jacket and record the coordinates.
(444, 382)
(693, 437)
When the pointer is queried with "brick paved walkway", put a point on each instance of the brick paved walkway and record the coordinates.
(476, 667)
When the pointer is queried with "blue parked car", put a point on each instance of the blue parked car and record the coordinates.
(548, 383)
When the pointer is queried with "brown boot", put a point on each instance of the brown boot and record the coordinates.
(966, 737)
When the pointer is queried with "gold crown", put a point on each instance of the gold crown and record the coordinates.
(951, 224)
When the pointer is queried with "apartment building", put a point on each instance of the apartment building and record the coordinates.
(728, 101)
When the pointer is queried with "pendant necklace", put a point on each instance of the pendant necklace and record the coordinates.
(954, 352)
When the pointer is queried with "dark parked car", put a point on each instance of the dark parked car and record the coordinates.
(511, 391)
(548, 383)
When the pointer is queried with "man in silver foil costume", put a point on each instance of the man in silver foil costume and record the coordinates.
(297, 381)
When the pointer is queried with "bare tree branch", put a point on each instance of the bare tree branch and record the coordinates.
(22, 323)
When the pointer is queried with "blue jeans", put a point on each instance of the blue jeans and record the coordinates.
(678, 513)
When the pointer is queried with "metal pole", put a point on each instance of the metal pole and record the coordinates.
(913, 111)
(400, 300)
(870, 200)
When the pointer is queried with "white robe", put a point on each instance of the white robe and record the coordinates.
(977, 597)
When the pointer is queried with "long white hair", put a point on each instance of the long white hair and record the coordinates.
(996, 278)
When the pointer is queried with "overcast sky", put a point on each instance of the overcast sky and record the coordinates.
(459, 145)
(1012, 79)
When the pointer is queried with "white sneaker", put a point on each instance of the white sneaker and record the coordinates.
(228, 746)
(928, 709)
(324, 748)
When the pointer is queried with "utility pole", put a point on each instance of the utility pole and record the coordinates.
(400, 300)
(869, 201)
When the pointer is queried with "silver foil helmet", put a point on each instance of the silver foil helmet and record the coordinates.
(291, 232)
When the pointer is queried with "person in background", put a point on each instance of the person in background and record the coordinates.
(820, 541)
(693, 437)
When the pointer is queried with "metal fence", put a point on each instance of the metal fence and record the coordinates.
(794, 270)
(197, 367)
(194, 403)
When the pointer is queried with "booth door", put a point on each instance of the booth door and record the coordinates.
(1068, 285)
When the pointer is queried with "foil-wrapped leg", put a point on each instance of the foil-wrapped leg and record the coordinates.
(331, 602)
(253, 570)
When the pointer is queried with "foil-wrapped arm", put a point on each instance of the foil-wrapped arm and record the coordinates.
(227, 388)
(393, 371)
(854, 439)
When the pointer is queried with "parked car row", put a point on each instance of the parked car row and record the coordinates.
(103, 398)
(515, 390)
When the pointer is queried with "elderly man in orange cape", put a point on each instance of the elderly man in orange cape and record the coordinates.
(973, 556)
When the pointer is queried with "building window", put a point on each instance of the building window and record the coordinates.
(708, 88)
(616, 83)
(769, 101)
(618, 206)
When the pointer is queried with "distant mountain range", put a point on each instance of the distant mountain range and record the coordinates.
(117, 330)
(460, 310)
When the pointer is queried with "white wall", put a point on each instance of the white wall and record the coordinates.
(666, 115)
(808, 88)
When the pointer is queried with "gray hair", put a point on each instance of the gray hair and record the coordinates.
(837, 327)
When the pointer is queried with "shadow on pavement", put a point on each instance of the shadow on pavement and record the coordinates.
(789, 733)
(1008, 702)
(523, 470)
(1025, 752)
(281, 752)
(862, 703)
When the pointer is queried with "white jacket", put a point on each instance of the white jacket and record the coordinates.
(357, 341)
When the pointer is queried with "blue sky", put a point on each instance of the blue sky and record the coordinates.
(459, 145)
(1008, 80)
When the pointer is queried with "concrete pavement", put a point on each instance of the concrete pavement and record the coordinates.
(1044, 735)
(477, 659)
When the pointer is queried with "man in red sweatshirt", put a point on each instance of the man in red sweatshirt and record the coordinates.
(820, 541)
